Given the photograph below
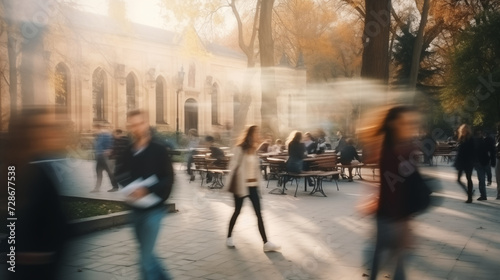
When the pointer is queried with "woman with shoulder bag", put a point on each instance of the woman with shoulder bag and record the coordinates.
(403, 192)
(244, 181)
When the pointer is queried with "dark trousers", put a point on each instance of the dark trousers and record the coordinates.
(238, 203)
(481, 176)
(468, 176)
(102, 165)
(489, 174)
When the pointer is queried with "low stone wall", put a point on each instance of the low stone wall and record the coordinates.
(91, 224)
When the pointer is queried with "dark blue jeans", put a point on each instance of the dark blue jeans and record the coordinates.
(147, 225)
(481, 176)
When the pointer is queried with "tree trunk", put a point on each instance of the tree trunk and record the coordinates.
(375, 64)
(246, 92)
(269, 108)
(417, 47)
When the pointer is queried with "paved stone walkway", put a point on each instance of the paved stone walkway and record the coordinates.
(321, 237)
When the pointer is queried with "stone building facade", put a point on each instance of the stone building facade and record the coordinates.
(97, 69)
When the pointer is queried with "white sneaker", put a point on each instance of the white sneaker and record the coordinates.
(229, 242)
(270, 247)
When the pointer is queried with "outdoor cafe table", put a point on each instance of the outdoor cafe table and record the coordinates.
(316, 175)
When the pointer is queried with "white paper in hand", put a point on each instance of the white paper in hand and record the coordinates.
(143, 202)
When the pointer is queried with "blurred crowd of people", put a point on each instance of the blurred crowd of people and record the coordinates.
(139, 162)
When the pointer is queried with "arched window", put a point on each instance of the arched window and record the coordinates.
(215, 103)
(61, 85)
(160, 93)
(130, 92)
(192, 75)
(98, 91)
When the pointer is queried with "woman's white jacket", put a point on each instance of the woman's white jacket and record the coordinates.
(237, 160)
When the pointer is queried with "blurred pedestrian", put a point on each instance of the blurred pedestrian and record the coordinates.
(121, 143)
(245, 166)
(34, 157)
(103, 145)
(484, 157)
(146, 159)
(464, 160)
(402, 189)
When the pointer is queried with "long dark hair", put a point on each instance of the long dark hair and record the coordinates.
(464, 133)
(246, 141)
(295, 136)
(388, 129)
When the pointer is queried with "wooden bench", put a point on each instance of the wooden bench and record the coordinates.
(200, 166)
(356, 168)
(321, 167)
(445, 151)
(217, 169)
(277, 170)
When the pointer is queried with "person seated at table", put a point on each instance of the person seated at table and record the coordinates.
(310, 143)
(216, 153)
(278, 147)
(264, 147)
(348, 154)
(322, 146)
(296, 152)
(296, 155)
(341, 142)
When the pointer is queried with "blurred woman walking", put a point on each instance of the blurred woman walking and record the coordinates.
(244, 181)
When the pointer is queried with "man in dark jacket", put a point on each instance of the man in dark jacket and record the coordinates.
(216, 153)
(348, 154)
(121, 143)
(144, 160)
(483, 157)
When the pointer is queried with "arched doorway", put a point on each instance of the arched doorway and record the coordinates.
(62, 89)
(190, 114)
(98, 92)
